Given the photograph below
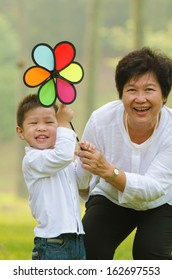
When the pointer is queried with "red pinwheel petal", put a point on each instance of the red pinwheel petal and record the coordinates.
(66, 92)
(64, 54)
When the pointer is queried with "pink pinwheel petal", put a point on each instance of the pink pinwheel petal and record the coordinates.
(66, 92)
(64, 54)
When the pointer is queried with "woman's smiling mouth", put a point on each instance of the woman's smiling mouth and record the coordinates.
(141, 109)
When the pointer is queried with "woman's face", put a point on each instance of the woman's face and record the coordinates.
(142, 99)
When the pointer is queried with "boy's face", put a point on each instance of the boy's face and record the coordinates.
(39, 128)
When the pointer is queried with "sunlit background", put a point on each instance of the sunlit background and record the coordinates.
(102, 32)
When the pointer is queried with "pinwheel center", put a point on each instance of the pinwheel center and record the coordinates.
(55, 74)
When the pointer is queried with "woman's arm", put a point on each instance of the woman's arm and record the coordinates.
(95, 162)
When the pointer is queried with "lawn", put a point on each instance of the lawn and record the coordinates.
(16, 234)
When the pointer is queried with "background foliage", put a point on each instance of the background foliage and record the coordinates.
(101, 30)
(24, 23)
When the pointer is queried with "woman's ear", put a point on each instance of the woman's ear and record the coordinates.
(164, 100)
(19, 131)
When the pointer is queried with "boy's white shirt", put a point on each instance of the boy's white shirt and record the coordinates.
(148, 167)
(53, 194)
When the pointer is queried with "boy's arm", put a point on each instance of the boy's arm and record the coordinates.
(84, 145)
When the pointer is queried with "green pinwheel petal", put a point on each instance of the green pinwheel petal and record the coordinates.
(47, 94)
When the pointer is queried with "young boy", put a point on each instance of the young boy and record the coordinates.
(48, 171)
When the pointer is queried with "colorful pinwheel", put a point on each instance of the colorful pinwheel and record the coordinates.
(55, 72)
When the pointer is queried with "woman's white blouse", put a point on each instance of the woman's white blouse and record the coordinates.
(148, 166)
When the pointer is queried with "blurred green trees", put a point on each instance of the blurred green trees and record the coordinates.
(8, 78)
(24, 23)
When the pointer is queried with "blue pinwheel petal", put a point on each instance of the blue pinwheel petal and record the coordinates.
(43, 56)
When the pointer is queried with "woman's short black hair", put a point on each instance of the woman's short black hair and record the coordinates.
(139, 62)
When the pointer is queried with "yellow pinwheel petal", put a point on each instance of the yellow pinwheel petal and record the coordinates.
(34, 76)
(73, 73)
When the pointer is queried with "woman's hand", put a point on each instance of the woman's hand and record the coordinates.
(93, 160)
(86, 146)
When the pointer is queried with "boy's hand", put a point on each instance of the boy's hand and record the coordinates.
(64, 116)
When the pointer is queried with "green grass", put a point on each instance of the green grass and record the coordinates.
(16, 223)
(16, 234)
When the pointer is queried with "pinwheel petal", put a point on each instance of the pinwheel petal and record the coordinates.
(47, 94)
(66, 92)
(73, 73)
(34, 76)
(42, 55)
(64, 54)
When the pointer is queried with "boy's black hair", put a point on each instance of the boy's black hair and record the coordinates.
(29, 102)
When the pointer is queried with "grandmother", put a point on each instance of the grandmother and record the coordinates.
(130, 171)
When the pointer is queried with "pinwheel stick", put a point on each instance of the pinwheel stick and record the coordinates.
(70, 125)
(74, 130)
